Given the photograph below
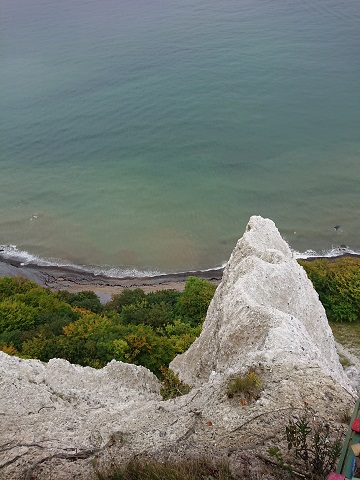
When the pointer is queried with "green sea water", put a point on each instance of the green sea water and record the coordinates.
(140, 136)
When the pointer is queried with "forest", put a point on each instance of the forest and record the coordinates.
(144, 329)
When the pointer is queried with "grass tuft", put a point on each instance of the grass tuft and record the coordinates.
(247, 387)
(187, 469)
(348, 334)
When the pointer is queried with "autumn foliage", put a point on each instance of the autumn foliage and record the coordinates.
(134, 327)
(144, 329)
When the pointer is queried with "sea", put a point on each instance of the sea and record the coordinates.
(138, 137)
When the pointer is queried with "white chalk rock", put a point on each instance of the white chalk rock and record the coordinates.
(265, 312)
(57, 418)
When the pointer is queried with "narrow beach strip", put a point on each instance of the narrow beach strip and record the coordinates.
(74, 280)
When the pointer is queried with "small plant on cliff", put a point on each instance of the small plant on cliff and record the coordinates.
(172, 386)
(311, 450)
(247, 387)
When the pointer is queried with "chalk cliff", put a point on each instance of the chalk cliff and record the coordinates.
(57, 420)
(265, 311)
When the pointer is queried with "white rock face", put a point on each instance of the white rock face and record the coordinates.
(43, 384)
(56, 419)
(265, 311)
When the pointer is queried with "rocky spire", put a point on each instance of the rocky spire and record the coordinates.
(58, 420)
(265, 312)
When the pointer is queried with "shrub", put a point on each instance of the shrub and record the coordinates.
(172, 386)
(338, 285)
(247, 387)
(311, 450)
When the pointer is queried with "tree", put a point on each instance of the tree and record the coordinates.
(15, 315)
(84, 341)
(182, 335)
(9, 349)
(195, 299)
(42, 348)
(126, 297)
(147, 348)
(86, 299)
(11, 285)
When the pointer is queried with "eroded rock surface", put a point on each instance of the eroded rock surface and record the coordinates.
(59, 420)
(265, 311)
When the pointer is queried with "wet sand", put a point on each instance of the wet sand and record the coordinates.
(73, 280)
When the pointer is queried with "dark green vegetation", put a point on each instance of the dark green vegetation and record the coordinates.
(311, 450)
(338, 285)
(172, 386)
(147, 330)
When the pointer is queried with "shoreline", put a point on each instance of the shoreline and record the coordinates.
(73, 280)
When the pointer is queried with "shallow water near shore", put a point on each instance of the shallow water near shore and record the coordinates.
(139, 137)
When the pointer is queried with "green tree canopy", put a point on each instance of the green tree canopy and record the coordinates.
(195, 299)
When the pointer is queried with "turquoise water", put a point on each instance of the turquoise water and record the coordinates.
(142, 135)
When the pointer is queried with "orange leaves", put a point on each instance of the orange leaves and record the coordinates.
(86, 326)
(136, 342)
(9, 349)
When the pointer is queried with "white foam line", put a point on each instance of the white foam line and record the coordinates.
(114, 272)
(332, 252)
(11, 252)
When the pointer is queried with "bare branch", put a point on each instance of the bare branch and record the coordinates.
(4, 448)
(266, 413)
(62, 456)
(267, 460)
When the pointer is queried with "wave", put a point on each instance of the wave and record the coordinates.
(334, 251)
(10, 253)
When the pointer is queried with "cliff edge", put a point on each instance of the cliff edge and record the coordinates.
(63, 421)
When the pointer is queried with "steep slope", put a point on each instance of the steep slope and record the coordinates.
(265, 311)
(58, 420)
